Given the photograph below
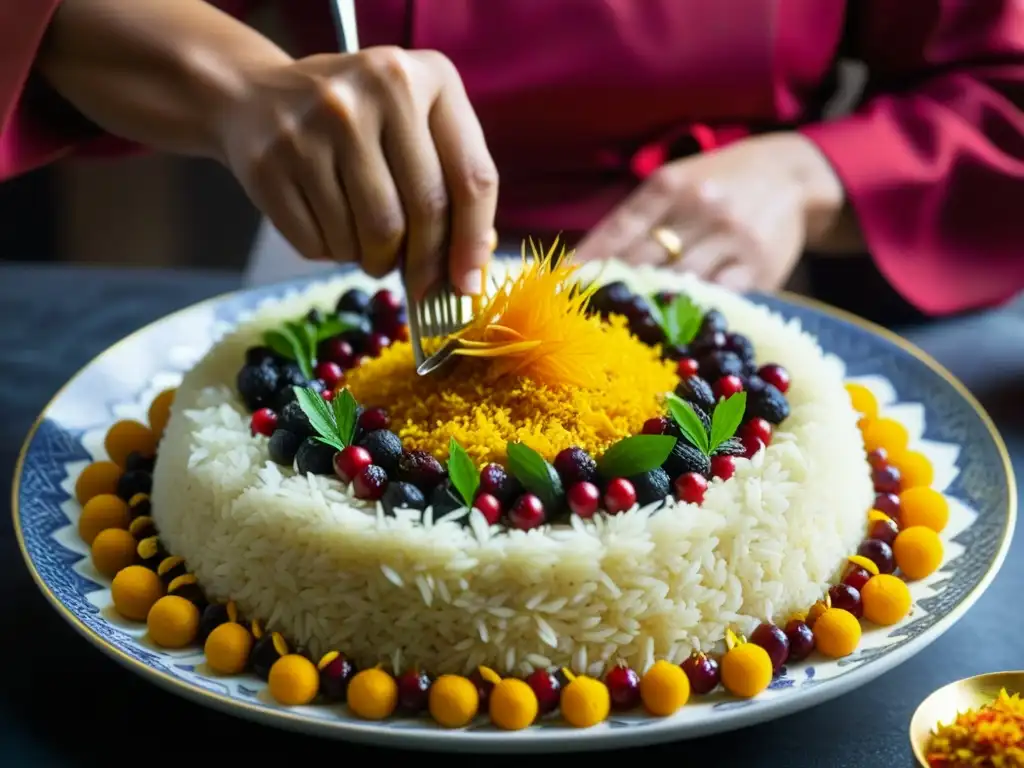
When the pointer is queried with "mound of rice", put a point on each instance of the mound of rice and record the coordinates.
(332, 572)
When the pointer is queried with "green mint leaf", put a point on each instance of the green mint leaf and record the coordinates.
(726, 418)
(320, 415)
(687, 318)
(665, 319)
(334, 325)
(689, 422)
(463, 472)
(284, 342)
(635, 455)
(345, 409)
(335, 444)
(536, 474)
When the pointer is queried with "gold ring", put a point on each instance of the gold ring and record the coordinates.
(670, 241)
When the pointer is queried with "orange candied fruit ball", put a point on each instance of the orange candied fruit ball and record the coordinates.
(886, 599)
(924, 506)
(836, 633)
(100, 513)
(126, 436)
(918, 550)
(887, 434)
(294, 680)
(173, 622)
(228, 648)
(160, 411)
(112, 551)
(915, 469)
(99, 477)
(862, 400)
(135, 590)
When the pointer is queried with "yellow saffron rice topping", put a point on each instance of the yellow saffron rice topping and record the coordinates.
(534, 368)
(990, 736)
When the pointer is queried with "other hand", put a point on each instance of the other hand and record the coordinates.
(368, 157)
(739, 216)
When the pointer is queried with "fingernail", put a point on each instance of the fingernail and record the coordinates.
(472, 282)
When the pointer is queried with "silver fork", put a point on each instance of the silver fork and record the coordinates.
(439, 315)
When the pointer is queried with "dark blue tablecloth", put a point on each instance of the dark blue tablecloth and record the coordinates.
(64, 703)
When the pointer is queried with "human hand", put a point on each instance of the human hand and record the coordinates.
(740, 216)
(368, 157)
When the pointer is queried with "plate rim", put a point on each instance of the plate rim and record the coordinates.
(548, 740)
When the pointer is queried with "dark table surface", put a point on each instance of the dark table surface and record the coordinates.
(62, 702)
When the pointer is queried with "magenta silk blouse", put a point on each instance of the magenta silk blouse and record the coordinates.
(580, 99)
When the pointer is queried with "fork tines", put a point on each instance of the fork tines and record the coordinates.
(438, 315)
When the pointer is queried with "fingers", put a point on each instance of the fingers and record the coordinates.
(419, 178)
(471, 179)
(284, 203)
(376, 208)
(735, 276)
(322, 188)
(628, 227)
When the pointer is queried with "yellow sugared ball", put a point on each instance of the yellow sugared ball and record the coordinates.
(918, 550)
(294, 680)
(372, 694)
(112, 551)
(100, 513)
(915, 469)
(837, 633)
(585, 702)
(127, 436)
(453, 701)
(862, 400)
(160, 411)
(746, 670)
(227, 648)
(664, 688)
(99, 477)
(886, 599)
(173, 622)
(924, 506)
(513, 705)
(135, 590)
(888, 434)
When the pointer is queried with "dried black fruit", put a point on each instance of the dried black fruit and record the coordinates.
(674, 351)
(697, 391)
(768, 403)
(714, 365)
(731, 447)
(741, 345)
(686, 458)
(651, 487)
(713, 321)
(608, 297)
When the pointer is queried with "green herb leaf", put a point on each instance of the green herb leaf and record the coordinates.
(284, 342)
(463, 472)
(320, 415)
(536, 474)
(687, 319)
(726, 418)
(336, 324)
(345, 409)
(636, 454)
(689, 422)
(305, 332)
(665, 319)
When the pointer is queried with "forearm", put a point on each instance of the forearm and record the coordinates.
(158, 72)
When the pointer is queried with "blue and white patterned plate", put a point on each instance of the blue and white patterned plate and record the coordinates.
(945, 422)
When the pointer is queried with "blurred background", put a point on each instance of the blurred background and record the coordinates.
(150, 211)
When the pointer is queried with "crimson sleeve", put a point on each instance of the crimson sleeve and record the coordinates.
(933, 161)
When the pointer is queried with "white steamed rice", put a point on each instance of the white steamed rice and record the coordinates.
(331, 572)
